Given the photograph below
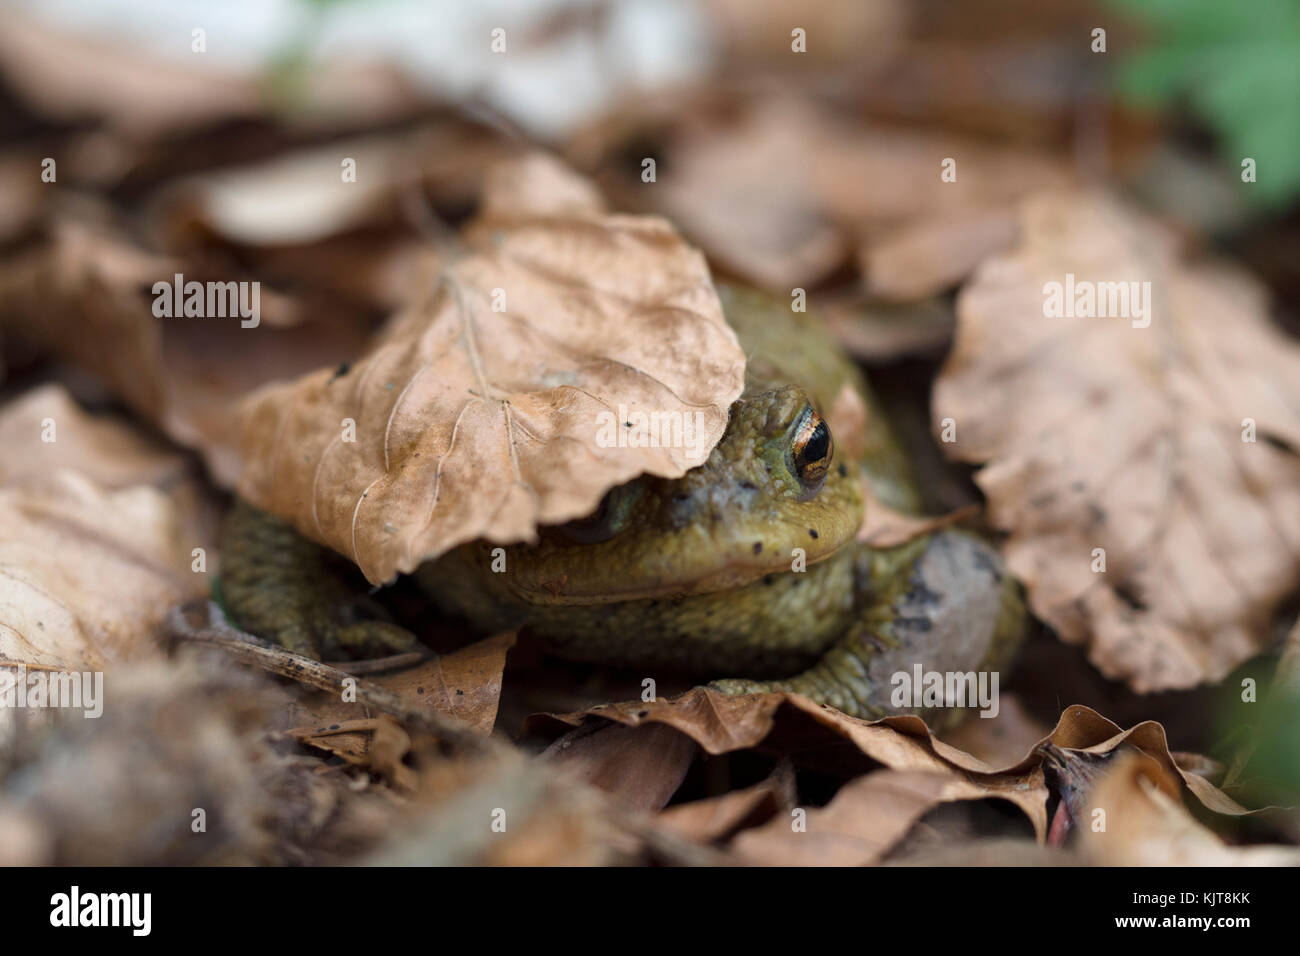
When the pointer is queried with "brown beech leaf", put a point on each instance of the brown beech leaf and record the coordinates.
(115, 82)
(789, 723)
(847, 30)
(100, 522)
(47, 430)
(106, 449)
(1137, 439)
(643, 766)
(377, 744)
(464, 422)
(87, 575)
(782, 191)
(293, 210)
(297, 197)
(1146, 824)
(1084, 730)
(935, 252)
(86, 295)
(465, 684)
(716, 818)
(22, 201)
(881, 332)
(863, 822)
(822, 738)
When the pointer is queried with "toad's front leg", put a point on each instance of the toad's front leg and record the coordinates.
(283, 588)
(943, 604)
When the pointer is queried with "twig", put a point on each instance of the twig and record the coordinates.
(253, 651)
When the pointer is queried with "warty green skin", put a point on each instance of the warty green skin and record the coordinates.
(695, 573)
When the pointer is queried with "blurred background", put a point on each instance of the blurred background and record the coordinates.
(798, 145)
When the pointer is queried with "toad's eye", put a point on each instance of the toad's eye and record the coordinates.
(811, 451)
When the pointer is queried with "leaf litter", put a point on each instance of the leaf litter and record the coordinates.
(402, 774)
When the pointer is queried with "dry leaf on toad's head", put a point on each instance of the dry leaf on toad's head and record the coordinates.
(1129, 440)
(524, 389)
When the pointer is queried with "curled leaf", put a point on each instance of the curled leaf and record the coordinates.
(529, 383)
(1137, 820)
(1146, 464)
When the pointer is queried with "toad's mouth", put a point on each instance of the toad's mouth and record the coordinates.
(588, 582)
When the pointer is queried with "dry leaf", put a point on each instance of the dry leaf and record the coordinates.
(47, 430)
(101, 80)
(1088, 732)
(791, 724)
(1100, 433)
(465, 684)
(300, 196)
(845, 30)
(782, 191)
(107, 450)
(934, 252)
(463, 422)
(1145, 824)
(862, 823)
(74, 603)
(377, 744)
(86, 295)
(297, 197)
(716, 818)
(881, 333)
(824, 739)
(642, 766)
(22, 200)
(87, 575)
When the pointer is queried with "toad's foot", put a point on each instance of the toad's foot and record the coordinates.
(952, 611)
